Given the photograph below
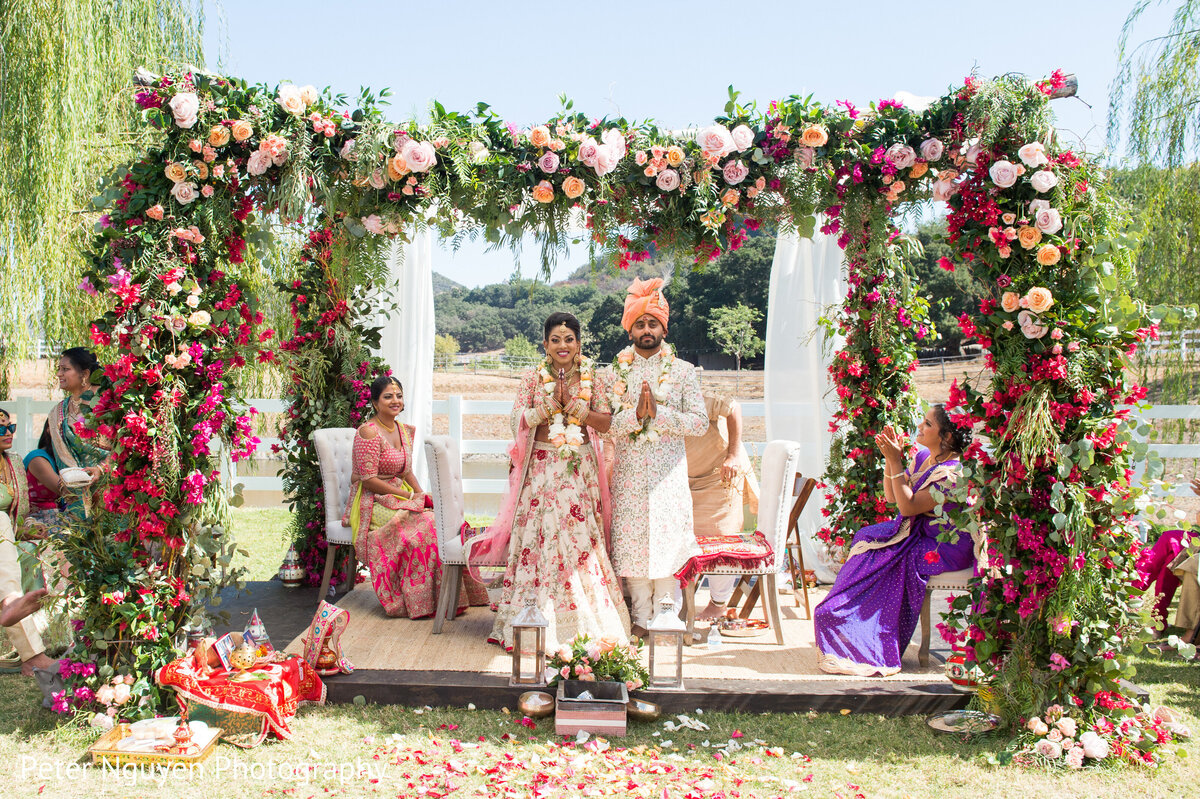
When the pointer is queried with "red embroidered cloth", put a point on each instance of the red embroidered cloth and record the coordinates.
(273, 691)
(735, 551)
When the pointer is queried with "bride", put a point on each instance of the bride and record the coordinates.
(554, 520)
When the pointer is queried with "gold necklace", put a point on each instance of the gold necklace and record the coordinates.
(379, 422)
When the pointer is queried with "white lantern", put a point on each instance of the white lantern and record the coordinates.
(529, 645)
(666, 633)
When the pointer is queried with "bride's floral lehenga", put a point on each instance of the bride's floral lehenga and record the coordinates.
(394, 536)
(558, 546)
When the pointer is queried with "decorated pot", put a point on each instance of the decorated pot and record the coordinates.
(536, 704)
(291, 573)
(243, 657)
(960, 676)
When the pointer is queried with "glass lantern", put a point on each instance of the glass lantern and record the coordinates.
(529, 645)
(666, 633)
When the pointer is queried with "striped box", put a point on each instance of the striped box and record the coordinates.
(602, 714)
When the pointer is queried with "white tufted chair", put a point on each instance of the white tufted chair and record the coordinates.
(449, 510)
(335, 454)
(780, 464)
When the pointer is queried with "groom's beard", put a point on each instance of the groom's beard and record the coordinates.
(648, 341)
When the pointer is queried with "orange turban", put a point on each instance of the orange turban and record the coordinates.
(645, 297)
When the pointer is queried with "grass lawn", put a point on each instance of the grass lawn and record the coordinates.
(390, 751)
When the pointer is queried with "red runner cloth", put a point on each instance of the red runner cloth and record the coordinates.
(733, 551)
(275, 690)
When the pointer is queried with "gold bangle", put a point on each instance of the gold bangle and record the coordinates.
(892, 476)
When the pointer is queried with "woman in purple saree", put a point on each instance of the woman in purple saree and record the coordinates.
(865, 623)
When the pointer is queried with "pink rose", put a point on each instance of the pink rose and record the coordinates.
(373, 224)
(290, 99)
(1043, 181)
(1033, 154)
(184, 193)
(640, 158)
(973, 154)
(932, 149)
(1093, 745)
(1066, 726)
(347, 151)
(377, 180)
(185, 107)
(901, 155)
(615, 140)
(1049, 749)
(1003, 173)
(742, 137)
(1036, 726)
(548, 163)
(1048, 220)
(104, 694)
(606, 160)
(805, 156)
(259, 163)
(667, 180)
(943, 190)
(1037, 205)
(735, 172)
(155, 212)
(1031, 328)
(588, 151)
(420, 156)
(1074, 757)
(715, 141)
(121, 693)
(207, 191)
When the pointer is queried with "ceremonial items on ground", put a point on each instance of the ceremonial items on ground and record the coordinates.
(535, 704)
(594, 707)
(606, 659)
(529, 645)
(666, 633)
(256, 634)
(322, 642)
(641, 710)
(156, 742)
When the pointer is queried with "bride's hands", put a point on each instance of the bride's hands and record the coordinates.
(889, 444)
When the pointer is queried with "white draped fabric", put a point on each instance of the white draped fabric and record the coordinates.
(806, 282)
(407, 340)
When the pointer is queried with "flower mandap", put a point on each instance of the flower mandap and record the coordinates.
(1052, 618)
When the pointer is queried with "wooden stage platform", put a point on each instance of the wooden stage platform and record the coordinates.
(398, 661)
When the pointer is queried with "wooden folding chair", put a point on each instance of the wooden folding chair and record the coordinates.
(802, 488)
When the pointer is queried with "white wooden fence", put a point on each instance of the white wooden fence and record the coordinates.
(30, 414)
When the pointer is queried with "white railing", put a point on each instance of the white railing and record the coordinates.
(455, 408)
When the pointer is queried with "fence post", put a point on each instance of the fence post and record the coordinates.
(455, 412)
(24, 424)
(943, 362)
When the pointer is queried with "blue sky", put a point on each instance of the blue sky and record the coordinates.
(668, 61)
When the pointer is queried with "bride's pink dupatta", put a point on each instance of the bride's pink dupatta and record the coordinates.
(490, 548)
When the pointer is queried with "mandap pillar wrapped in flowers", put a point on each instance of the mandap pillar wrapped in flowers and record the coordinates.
(1053, 616)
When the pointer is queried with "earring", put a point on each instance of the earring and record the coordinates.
(578, 358)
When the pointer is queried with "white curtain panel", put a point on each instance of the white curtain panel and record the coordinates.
(407, 340)
(807, 282)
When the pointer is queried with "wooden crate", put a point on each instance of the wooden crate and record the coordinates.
(603, 714)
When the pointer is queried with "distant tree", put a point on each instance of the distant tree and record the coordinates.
(520, 348)
(950, 293)
(733, 330)
(605, 336)
(1166, 205)
(445, 345)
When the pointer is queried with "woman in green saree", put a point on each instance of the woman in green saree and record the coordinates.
(75, 370)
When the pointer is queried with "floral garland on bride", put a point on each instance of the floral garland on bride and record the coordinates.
(568, 437)
(622, 366)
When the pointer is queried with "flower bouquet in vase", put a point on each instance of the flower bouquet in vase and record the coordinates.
(594, 679)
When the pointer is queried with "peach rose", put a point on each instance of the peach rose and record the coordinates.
(730, 197)
(540, 136)
(1009, 301)
(201, 169)
(918, 170)
(814, 136)
(218, 136)
(1029, 236)
(242, 130)
(674, 156)
(308, 94)
(608, 643)
(184, 193)
(573, 187)
(1033, 154)
(1039, 299)
(155, 212)
(543, 192)
(397, 167)
(176, 172)
(290, 100)
(1048, 255)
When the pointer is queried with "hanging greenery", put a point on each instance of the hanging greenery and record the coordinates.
(67, 118)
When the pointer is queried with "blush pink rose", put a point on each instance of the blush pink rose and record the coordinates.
(606, 160)
(290, 99)
(715, 141)
(972, 154)
(420, 156)
(1049, 749)
(548, 163)
(932, 149)
(207, 191)
(1043, 181)
(667, 180)
(589, 149)
(735, 172)
(943, 190)
(805, 156)
(743, 137)
(1003, 173)
(260, 161)
(309, 94)
(1033, 154)
(185, 108)
(615, 140)
(373, 224)
(184, 192)
(901, 155)
(1048, 220)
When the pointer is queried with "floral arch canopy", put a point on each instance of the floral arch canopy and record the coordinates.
(1028, 219)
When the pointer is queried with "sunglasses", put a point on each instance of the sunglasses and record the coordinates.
(10, 428)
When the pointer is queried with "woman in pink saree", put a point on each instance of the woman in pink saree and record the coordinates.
(554, 521)
(392, 518)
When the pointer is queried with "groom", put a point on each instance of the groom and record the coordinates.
(656, 402)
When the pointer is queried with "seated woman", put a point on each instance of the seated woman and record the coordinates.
(392, 519)
(865, 623)
(75, 370)
(14, 507)
(45, 486)
(554, 521)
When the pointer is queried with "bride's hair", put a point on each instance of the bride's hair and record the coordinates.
(957, 438)
(561, 318)
(380, 384)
